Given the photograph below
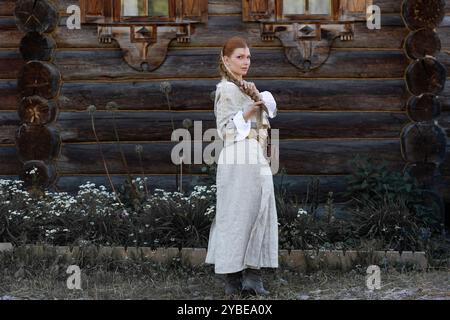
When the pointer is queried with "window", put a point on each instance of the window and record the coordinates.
(307, 8)
(145, 8)
(298, 10)
(141, 11)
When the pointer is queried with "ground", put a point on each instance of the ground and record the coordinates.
(184, 282)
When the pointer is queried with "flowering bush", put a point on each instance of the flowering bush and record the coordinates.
(163, 219)
(96, 216)
(303, 230)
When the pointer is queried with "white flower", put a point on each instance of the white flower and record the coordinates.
(301, 212)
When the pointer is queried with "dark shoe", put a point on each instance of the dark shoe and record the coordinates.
(252, 282)
(233, 283)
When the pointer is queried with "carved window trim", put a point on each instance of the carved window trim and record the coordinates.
(307, 39)
(144, 39)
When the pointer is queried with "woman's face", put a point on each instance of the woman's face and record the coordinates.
(239, 62)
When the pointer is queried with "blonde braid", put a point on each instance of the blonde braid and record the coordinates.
(229, 75)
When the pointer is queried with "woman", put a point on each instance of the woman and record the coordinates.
(244, 234)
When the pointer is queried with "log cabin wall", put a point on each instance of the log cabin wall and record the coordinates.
(354, 103)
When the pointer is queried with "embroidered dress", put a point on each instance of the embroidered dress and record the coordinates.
(244, 233)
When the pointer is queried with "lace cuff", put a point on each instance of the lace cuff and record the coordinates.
(243, 127)
(270, 103)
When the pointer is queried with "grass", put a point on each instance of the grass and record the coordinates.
(45, 278)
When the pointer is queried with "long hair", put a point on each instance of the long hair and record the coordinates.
(227, 50)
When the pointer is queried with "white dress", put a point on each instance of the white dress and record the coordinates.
(244, 233)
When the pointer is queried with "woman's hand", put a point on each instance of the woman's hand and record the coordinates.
(249, 85)
(255, 107)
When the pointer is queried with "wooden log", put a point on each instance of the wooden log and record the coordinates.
(297, 186)
(425, 107)
(156, 126)
(426, 75)
(36, 46)
(39, 78)
(10, 64)
(423, 14)
(202, 63)
(38, 173)
(218, 28)
(36, 110)
(215, 33)
(423, 142)
(313, 95)
(7, 7)
(294, 186)
(37, 143)
(426, 173)
(36, 16)
(302, 94)
(421, 43)
(306, 157)
(9, 94)
(324, 157)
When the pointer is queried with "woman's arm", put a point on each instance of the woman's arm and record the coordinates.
(229, 116)
(269, 101)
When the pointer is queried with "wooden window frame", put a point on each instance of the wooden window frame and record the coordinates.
(274, 13)
(110, 13)
(119, 18)
(334, 12)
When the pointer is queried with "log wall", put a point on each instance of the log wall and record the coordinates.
(354, 103)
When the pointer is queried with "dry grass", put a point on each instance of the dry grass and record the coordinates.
(183, 282)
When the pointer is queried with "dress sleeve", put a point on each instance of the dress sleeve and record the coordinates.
(243, 127)
(229, 115)
(270, 103)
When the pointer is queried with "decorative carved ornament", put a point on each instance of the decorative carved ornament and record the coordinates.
(144, 29)
(306, 28)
